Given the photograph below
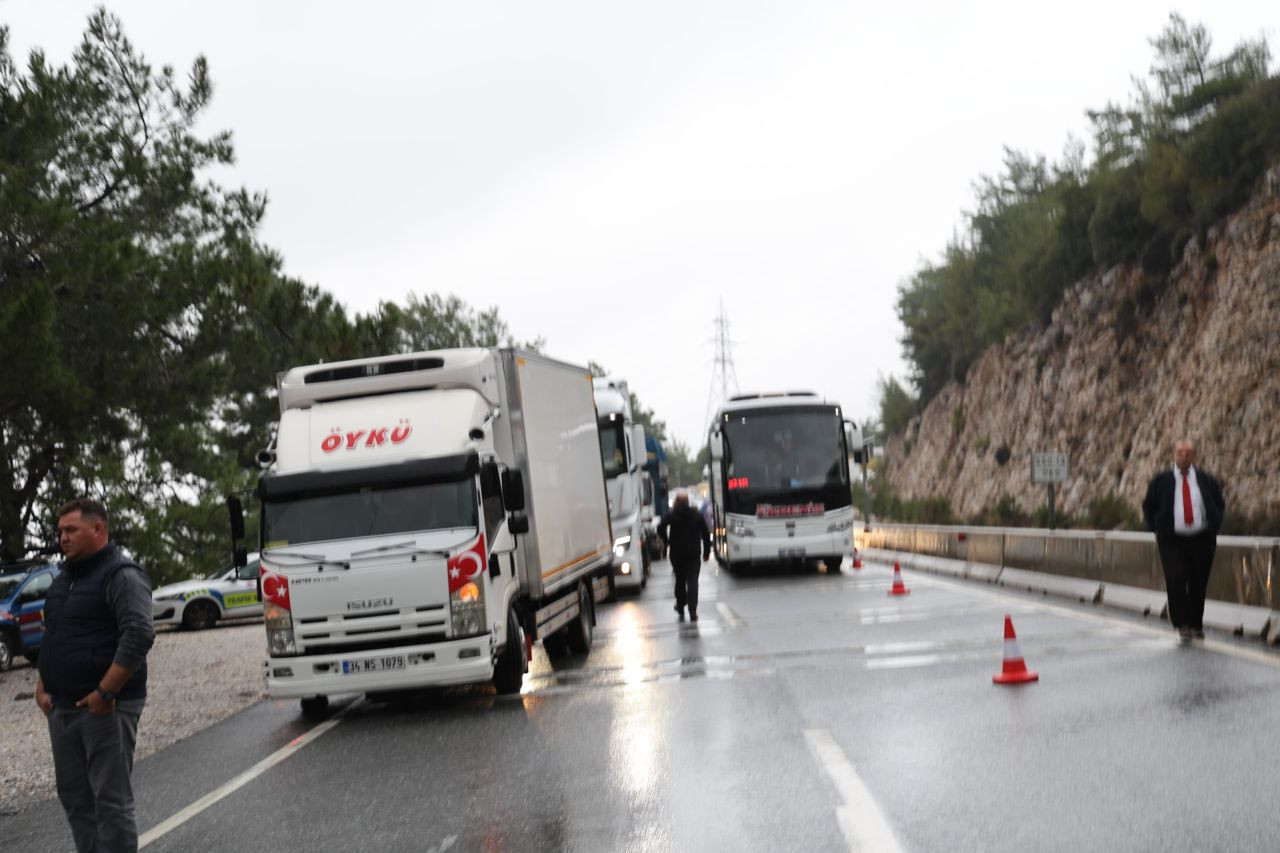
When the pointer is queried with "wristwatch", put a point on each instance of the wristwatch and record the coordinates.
(106, 694)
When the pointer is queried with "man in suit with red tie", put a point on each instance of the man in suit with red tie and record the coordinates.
(1184, 507)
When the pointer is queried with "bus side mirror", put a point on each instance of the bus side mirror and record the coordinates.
(513, 489)
(715, 447)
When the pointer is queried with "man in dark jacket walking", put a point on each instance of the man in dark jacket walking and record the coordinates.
(93, 677)
(1184, 508)
(685, 536)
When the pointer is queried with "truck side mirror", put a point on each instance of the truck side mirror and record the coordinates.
(490, 481)
(519, 524)
(236, 511)
(513, 490)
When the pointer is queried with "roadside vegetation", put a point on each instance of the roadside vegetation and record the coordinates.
(1186, 151)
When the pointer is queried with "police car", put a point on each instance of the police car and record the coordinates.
(199, 604)
(22, 591)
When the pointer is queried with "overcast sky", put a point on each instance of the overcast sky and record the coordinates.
(608, 174)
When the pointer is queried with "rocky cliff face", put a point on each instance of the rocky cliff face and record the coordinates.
(1119, 376)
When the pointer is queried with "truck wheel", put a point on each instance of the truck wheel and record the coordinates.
(6, 652)
(578, 634)
(508, 675)
(200, 615)
(314, 707)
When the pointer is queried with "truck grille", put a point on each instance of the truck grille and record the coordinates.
(381, 629)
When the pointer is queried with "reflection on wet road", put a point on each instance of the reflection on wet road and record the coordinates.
(804, 712)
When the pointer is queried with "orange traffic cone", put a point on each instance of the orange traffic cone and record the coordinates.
(857, 561)
(899, 588)
(1015, 668)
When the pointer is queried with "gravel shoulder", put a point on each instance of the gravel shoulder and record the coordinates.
(195, 679)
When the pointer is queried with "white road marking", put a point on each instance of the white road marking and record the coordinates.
(727, 614)
(863, 824)
(1165, 633)
(179, 818)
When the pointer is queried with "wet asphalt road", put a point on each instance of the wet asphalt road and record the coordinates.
(806, 712)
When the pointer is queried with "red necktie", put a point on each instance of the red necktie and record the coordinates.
(1187, 515)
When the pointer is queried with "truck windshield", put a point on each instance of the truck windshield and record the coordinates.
(613, 446)
(785, 454)
(369, 511)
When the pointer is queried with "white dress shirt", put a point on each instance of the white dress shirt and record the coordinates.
(1199, 521)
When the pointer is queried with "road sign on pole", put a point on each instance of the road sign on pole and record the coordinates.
(1050, 469)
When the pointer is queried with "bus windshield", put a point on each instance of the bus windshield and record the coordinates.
(369, 511)
(785, 454)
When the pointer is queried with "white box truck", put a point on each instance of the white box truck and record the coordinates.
(426, 517)
(623, 454)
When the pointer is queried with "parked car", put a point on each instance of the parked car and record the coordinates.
(197, 604)
(22, 591)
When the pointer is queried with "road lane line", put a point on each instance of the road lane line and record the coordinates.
(731, 618)
(1166, 633)
(174, 821)
(863, 824)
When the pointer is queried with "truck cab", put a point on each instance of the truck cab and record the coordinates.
(425, 518)
(622, 452)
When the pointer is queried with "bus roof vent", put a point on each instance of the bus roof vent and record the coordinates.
(768, 394)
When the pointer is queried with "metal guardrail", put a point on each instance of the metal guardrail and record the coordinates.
(1244, 568)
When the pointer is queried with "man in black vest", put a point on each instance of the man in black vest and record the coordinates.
(1184, 507)
(93, 677)
(686, 537)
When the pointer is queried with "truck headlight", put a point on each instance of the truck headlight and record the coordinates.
(620, 545)
(279, 622)
(466, 609)
(837, 526)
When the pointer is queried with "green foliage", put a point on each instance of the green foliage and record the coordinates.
(1188, 151)
(142, 324)
(1006, 513)
(897, 407)
(1061, 521)
(980, 446)
(957, 420)
(1111, 512)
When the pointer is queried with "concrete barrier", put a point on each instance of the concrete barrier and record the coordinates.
(1115, 568)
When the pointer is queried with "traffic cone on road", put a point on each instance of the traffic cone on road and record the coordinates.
(1015, 669)
(857, 560)
(899, 588)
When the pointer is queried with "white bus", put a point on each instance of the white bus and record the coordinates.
(780, 486)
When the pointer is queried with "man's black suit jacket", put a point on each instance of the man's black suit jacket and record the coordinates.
(1157, 506)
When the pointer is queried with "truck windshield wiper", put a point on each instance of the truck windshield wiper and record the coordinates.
(408, 547)
(410, 544)
(317, 558)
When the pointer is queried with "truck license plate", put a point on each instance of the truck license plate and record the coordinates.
(382, 664)
(790, 553)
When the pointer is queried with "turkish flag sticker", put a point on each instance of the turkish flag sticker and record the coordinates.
(466, 565)
(275, 588)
